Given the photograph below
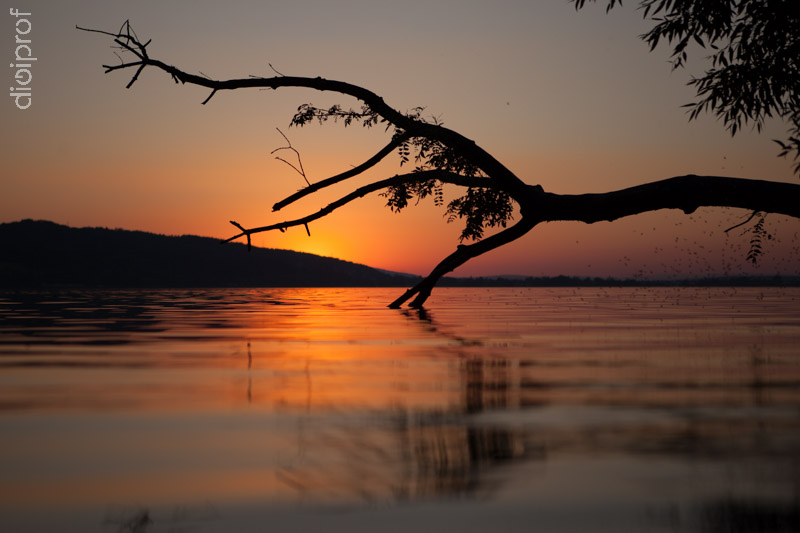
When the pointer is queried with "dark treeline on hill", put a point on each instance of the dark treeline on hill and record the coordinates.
(45, 254)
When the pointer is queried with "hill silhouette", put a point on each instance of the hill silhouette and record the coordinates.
(35, 253)
(42, 254)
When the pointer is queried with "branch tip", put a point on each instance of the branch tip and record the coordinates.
(204, 102)
(275, 70)
(135, 76)
(299, 170)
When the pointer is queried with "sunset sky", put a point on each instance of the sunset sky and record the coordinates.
(569, 100)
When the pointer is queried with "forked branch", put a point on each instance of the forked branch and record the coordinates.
(355, 171)
(403, 179)
(299, 168)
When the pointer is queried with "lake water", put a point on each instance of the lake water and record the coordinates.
(590, 409)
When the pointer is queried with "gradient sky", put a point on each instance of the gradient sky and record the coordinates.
(570, 100)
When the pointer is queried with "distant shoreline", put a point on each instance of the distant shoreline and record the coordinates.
(45, 255)
(453, 282)
(576, 281)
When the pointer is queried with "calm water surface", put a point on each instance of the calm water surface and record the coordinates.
(669, 409)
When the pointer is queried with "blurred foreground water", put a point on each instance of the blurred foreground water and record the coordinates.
(588, 409)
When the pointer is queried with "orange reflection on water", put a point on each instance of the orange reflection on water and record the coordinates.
(328, 396)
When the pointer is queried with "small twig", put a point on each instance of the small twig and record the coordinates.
(135, 76)
(751, 217)
(109, 68)
(129, 31)
(244, 232)
(291, 165)
(209, 97)
(98, 31)
(275, 70)
(300, 170)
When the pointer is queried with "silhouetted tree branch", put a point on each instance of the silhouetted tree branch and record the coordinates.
(403, 179)
(686, 193)
(445, 157)
(355, 171)
(463, 253)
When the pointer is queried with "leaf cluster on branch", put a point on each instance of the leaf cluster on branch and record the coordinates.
(308, 113)
(481, 208)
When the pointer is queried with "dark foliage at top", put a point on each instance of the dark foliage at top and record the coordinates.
(754, 51)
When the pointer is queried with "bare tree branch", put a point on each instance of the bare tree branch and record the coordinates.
(686, 193)
(463, 253)
(355, 171)
(441, 175)
(479, 157)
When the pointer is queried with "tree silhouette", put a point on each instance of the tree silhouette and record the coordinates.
(441, 156)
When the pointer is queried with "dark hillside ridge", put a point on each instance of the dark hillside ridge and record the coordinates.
(46, 254)
(42, 254)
